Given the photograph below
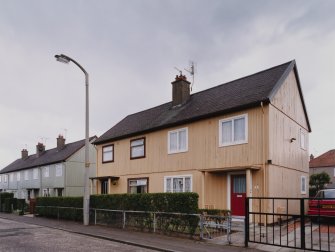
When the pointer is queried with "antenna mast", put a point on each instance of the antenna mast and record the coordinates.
(191, 71)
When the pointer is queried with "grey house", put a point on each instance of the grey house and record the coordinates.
(55, 172)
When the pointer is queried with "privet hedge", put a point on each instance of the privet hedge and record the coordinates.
(151, 202)
(148, 202)
(60, 207)
(8, 203)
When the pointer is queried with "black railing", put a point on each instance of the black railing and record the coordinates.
(290, 223)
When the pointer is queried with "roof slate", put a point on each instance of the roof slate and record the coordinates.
(325, 160)
(47, 157)
(233, 96)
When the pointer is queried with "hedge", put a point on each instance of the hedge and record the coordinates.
(147, 202)
(6, 201)
(150, 202)
(52, 207)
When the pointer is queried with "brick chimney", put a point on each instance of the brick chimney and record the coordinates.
(24, 153)
(311, 157)
(60, 142)
(40, 147)
(180, 90)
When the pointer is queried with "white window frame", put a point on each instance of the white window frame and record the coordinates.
(232, 119)
(26, 175)
(35, 173)
(178, 176)
(303, 139)
(303, 184)
(59, 170)
(178, 150)
(46, 172)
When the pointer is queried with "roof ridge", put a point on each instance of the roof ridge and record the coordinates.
(229, 82)
(244, 77)
(56, 147)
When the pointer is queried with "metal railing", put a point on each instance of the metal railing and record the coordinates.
(284, 222)
(196, 225)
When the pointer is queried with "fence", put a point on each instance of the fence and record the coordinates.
(200, 226)
(285, 222)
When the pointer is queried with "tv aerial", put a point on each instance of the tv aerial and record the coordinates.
(191, 70)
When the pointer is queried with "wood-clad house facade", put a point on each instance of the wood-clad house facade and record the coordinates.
(248, 137)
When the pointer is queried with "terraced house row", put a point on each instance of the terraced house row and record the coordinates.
(55, 172)
(247, 137)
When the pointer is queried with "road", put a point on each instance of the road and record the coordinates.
(17, 236)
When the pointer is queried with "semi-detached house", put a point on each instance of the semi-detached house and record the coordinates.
(247, 137)
(54, 172)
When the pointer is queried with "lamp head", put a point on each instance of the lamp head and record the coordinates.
(62, 58)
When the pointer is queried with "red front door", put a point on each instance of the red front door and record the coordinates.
(238, 193)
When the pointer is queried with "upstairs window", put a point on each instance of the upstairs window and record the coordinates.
(137, 148)
(178, 141)
(35, 173)
(26, 175)
(5, 178)
(46, 172)
(108, 153)
(303, 140)
(178, 184)
(11, 177)
(18, 176)
(0, 178)
(233, 130)
(59, 170)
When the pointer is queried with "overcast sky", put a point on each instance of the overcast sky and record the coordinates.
(131, 49)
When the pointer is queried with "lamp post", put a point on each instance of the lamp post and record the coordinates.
(86, 202)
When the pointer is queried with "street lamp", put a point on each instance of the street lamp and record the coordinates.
(86, 202)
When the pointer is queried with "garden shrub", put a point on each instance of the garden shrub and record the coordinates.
(6, 202)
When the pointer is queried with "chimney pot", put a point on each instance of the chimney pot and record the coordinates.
(311, 157)
(60, 142)
(24, 153)
(180, 90)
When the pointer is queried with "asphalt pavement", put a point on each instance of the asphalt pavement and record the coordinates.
(140, 239)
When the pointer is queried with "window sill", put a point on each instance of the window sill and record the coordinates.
(176, 152)
(232, 144)
(104, 162)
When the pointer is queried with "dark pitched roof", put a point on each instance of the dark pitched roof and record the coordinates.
(325, 160)
(47, 157)
(236, 95)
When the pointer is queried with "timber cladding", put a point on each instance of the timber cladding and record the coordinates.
(203, 149)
